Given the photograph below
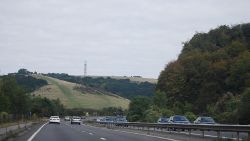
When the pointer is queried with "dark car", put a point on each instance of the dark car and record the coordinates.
(121, 121)
(204, 120)
(163, 120)
(177, 119)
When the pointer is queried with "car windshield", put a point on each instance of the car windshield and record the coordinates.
(180, 118)
(164, 120)
(207, 119)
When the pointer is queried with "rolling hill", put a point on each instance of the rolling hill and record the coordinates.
(122, 86)
(73, 95)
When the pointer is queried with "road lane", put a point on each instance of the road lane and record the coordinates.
(60, 132)
(68, 132)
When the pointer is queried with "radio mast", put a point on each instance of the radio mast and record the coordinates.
(85, 68)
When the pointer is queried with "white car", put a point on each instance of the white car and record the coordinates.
(67, 118)
(76, 120)
(54, 119)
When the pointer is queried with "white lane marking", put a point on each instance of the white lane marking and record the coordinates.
(147, 135)
(103, 139)
(135, 133)
(91, 133)
(83, 131)
(224, 137)
(31, 138)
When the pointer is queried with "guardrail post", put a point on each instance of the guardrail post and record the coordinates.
(218, 134)
(203, 134)
(238, 136)
(248, 136)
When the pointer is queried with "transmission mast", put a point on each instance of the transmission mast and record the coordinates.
(85, 68)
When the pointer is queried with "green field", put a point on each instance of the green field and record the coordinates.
(72, 98)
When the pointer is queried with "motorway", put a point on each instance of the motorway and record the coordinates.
(67, 132)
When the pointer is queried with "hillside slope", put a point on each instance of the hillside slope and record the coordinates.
(122, 87)
(74, 98)
(211, 74)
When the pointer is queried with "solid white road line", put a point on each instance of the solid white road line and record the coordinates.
(103, 139)
(31, 138)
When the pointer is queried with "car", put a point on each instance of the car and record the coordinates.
(108, 119)
(178, 119)
(162, 120)
(99, 119)
(54, 119)
(204, 120)
(67, 118)
(121, 121)
(76, 120)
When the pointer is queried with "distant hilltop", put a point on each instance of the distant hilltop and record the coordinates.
(138, 79)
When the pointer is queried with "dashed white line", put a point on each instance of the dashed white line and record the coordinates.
(104, 139)
(91, 133)
(147, 135)
(135, 133)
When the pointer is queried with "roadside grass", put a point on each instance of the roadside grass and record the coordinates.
(72, 98)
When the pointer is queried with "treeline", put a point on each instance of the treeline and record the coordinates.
(122, 87)
(210, 77)
(107, 111)
(17, 101)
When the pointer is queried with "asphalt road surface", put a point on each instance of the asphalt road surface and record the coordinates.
(67, 132)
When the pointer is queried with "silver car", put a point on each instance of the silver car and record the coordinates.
(76, 120)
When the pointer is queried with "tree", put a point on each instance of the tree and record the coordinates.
(244, 112)
(160, 99)
(17, 99)
(151, 115)
(4, 100)
(137, 107)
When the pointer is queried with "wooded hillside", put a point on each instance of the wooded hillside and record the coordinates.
(211, 73)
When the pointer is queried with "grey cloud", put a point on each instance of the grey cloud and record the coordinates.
(117, 37)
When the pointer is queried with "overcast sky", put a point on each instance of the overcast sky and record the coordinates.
(116, 37)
